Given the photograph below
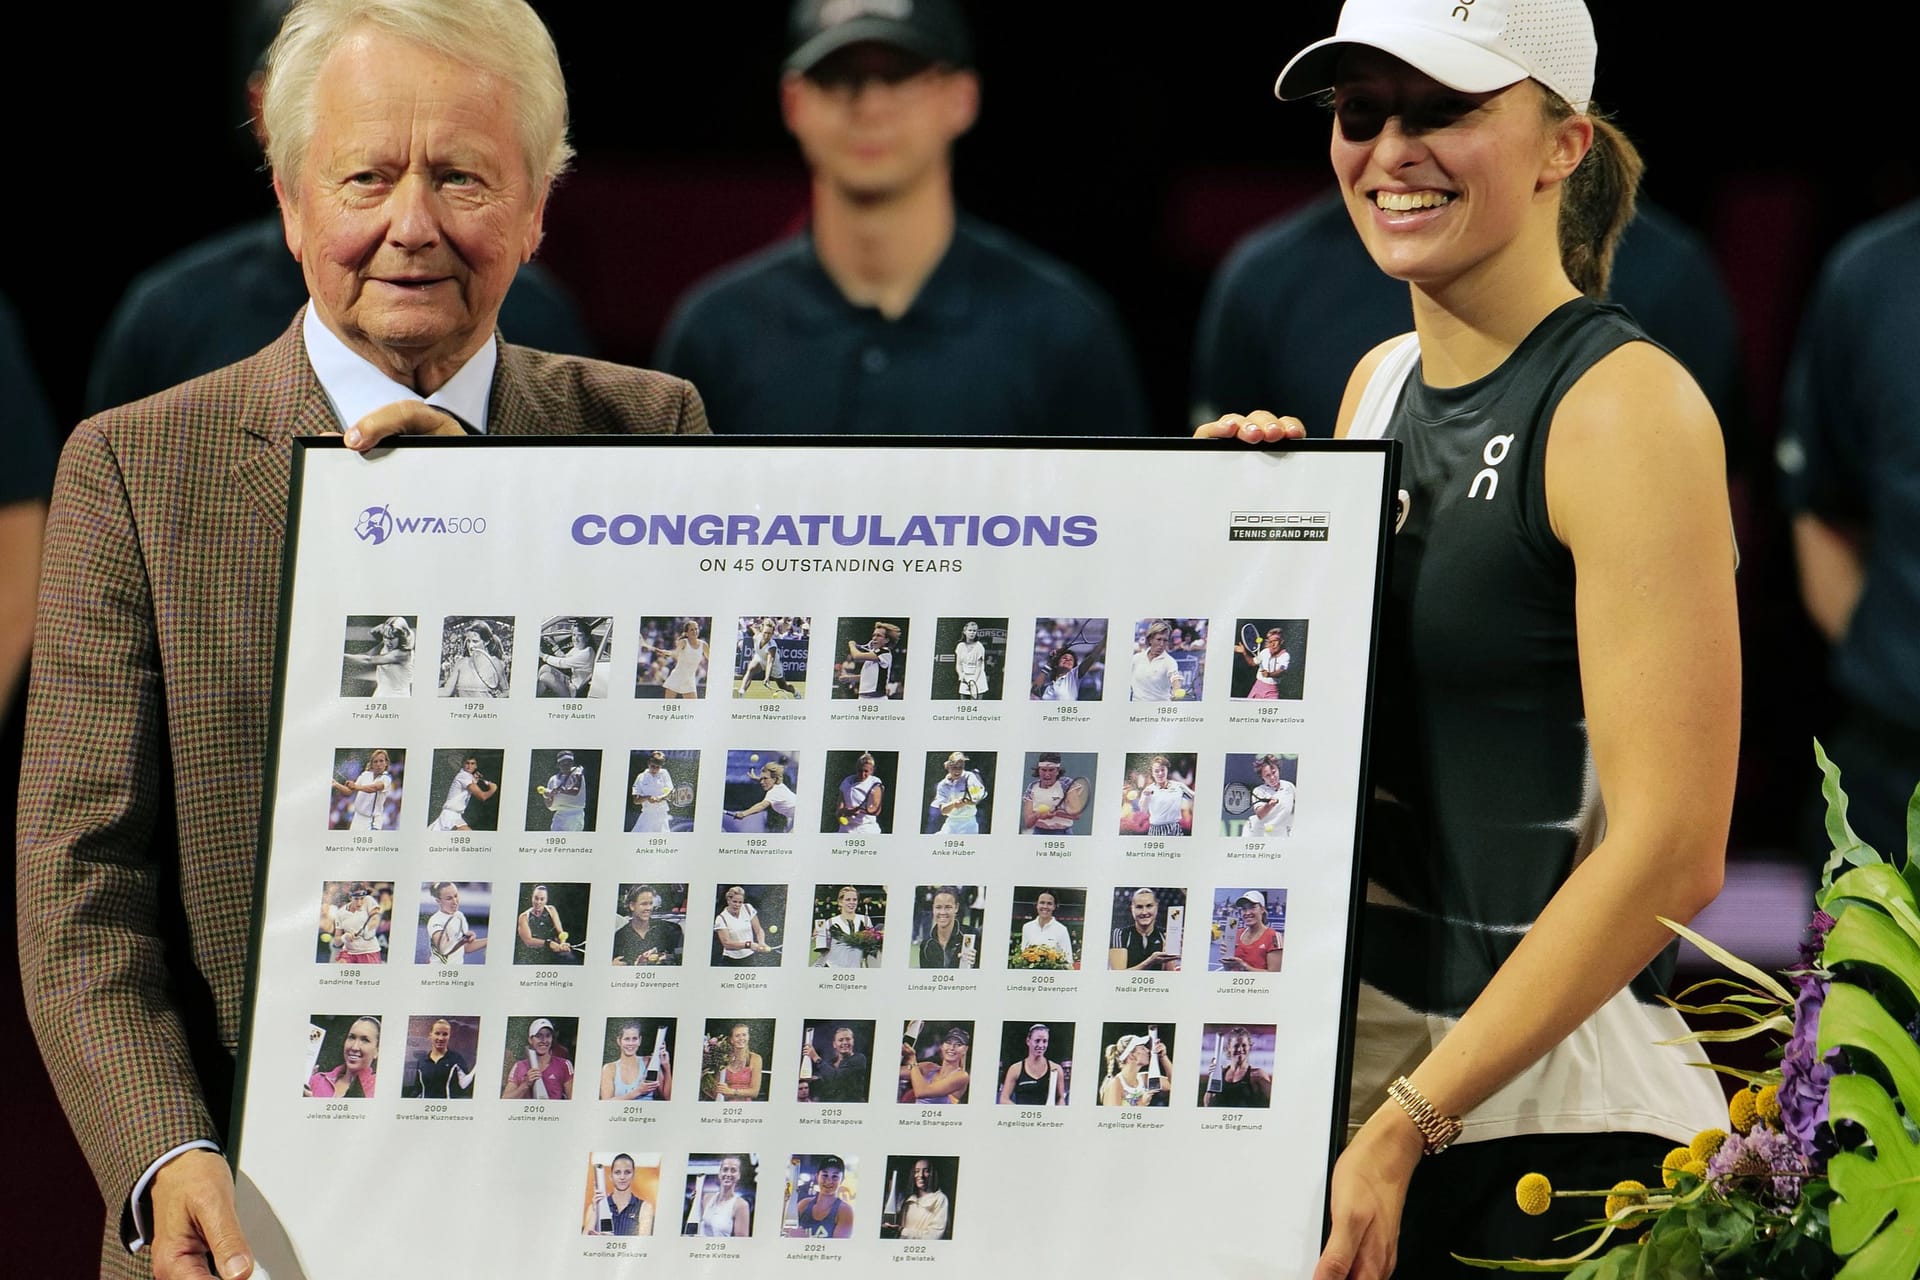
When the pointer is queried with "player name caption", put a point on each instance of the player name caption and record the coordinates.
(473, 712)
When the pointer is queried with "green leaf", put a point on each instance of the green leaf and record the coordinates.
(1868, 937)
(1878, 885)
(1912, 868)
(1847, 847)
(1869, 1188)
(1779, 1024)
(1731, 961)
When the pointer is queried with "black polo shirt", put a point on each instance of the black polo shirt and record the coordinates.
(1001, 340)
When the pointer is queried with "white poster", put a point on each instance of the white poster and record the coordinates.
(729, 855)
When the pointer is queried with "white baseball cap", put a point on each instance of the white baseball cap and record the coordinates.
(1475, 46)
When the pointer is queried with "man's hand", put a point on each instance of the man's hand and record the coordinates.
(401, 418)
(193, 1216)
(1258, 427)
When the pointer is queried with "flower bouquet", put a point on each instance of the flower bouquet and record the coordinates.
(1038, 955)
(714, 1053)
(1820, 1174)
(867, 941)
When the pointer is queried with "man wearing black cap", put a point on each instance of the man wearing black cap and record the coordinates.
(893, 313)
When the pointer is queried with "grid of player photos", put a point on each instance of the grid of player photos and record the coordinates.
(481, 801)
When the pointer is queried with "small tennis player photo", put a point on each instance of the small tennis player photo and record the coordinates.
(858, 800)
(748, 925)
(1069, 660)
(574, 652)
(969, 659)
(1057, 797)
(870, 659)
(1249, 932)
(1270, 659)
(770, 656)
(674, 657)
(836, 1057)
(563, 792)
(849, 926)
(1147, 929)
(551, 928)
(1036, 1063)
(377, 659)
(1048, 924)
(922, 1192)
(760, 792)
(958, 788)
(454, 916)
(441, 1053)
(1238, 1074)
(476, 657)
(636, 1060)
(1169, 659)
(622, 1195)
(1258, 796)
(536, 1062)
(819, 1197)
(354, 921)
(343, 1055)
(469, 779)
(653, 924)
(1158, 797)
(721, 1190)
(662, 795)
(366, 789)
(1138, 1057)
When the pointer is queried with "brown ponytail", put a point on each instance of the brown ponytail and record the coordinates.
(1596, 201)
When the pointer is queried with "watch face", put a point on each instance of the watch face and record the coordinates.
(1237, 798)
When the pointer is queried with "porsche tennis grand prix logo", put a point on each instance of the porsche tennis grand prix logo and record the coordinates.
(1278, 526)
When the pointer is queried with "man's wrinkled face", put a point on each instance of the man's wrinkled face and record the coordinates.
(414, 207)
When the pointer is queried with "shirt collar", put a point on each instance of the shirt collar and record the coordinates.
(943, 301)
(356, 388)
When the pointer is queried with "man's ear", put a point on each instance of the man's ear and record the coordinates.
(537, 229)
(964, 103)
(289, 218)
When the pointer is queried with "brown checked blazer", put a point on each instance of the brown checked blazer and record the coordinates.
(147, 725)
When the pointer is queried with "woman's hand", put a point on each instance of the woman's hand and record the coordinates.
(1258, 427)
(1368, 1193)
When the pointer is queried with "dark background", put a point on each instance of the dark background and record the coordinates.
(1137, 145)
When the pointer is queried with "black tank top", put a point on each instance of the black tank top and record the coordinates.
(1028, 1092)
(1479, 732)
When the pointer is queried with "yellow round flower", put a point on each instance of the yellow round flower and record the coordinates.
(1625, 1195)
(1740, 1112)
(1698, 1168)
(1766, 1104)
(1676, 1160)
(1707, 1143)
(1533, 1193)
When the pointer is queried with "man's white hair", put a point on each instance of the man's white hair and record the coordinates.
(503, 38)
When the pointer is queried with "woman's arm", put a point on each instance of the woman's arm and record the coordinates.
(1636, 489)
(748, 813)
(524, 929)
(937, 1083)
(759, 934)
(1006, 1085)
(842, 1220)
(742, 1223)
(643, 1225)
(1110, 1094)
(1272, 960)
(606, 1080)
(554, 943)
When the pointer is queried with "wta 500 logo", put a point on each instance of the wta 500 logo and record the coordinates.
(377, 524)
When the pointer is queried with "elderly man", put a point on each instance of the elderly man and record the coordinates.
(413, 145)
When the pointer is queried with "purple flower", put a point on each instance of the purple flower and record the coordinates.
(1810, 948)
(1804, 1075)
(1762, 1163)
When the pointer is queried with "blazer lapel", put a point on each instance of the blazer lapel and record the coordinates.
(286, 401)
